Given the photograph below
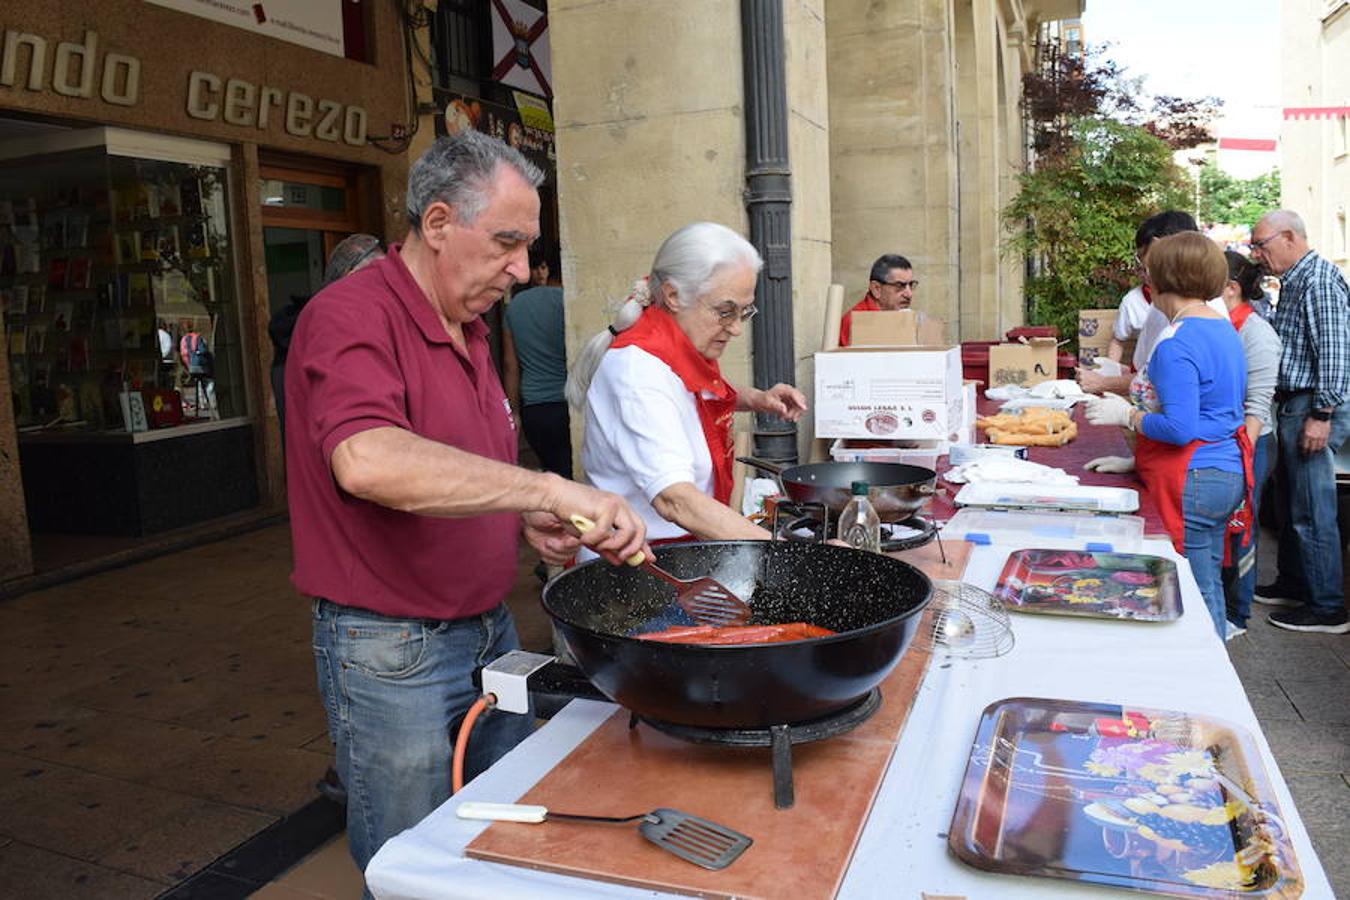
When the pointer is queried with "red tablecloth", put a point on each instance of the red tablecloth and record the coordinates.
(1092, 441)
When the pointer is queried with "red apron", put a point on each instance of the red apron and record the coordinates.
(1163, 466)
(657, 333)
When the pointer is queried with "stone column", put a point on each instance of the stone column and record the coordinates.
(16, 548)
(650, 136)
(893, 165)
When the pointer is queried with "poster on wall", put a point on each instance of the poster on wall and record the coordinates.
(528, 126)
(520, 51)
(336, 27)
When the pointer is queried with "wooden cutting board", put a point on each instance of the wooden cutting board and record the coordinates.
(928, 559)
(801, 852)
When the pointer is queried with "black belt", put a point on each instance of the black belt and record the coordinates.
(1282, 396)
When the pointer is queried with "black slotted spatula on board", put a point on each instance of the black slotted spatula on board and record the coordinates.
(691, 838)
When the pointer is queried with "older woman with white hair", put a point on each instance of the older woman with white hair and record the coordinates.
(658, 410)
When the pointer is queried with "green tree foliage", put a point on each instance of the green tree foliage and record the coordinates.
(1236, 201)
(1102, 164)
(1081, 208)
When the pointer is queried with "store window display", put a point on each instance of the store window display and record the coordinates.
(108, 263)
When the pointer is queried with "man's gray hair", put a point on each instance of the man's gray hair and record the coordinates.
(458, 171)
(1286, 220)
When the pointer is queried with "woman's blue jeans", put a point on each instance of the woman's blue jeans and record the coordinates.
(1209, 498)
(392, 689)
(1239, 577)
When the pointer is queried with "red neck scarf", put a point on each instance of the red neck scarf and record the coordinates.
(1238, 315)
(1148, 294)
(657, 333)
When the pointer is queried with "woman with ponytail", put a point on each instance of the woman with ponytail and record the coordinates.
(658, 411)
(1262, 348)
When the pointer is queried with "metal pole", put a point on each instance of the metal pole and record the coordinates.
(768, 200)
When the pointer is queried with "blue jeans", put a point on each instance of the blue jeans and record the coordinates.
(1310, 538)
(392, 689)
(1239, 577)
(1209, 498)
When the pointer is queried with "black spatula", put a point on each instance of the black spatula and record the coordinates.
(689, 837)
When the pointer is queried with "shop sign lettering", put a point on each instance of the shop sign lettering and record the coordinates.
(75, 72)
(248, 105)
(118, 80)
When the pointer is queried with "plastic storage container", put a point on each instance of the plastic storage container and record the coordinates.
(1103, 534)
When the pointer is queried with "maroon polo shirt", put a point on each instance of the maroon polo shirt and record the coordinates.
(370, 352)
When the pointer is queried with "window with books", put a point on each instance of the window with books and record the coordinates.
(117, 288)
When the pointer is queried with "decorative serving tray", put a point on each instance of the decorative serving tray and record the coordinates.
(1099, 585)
(1135, 798)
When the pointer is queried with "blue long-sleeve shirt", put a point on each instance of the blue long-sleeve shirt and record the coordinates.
(1200, 374)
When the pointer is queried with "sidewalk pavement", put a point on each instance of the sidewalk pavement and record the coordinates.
(155, 716)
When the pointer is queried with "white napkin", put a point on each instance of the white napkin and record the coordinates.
(1008, 469)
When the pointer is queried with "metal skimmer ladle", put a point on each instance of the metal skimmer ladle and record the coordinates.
(706, 600)
(969, 623)
(689, 837)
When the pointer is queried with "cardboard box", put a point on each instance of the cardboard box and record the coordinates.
(896, 394)
(895, 328)
(1026, 364)
(1094, 327)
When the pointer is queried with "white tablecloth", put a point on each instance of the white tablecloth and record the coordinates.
(1180, 665)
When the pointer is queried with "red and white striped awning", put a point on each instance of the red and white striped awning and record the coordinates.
(1317, 112)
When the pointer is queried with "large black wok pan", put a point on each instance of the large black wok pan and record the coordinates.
(895, 489)
(873, 601)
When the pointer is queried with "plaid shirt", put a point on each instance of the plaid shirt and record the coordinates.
(1313, 321)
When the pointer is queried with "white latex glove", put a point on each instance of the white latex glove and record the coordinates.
(1115, 465)
(1109, 409)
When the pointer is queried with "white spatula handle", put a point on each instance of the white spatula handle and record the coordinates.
(501, 812)
(583, 524)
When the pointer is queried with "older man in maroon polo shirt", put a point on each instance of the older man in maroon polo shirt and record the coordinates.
(406, 505)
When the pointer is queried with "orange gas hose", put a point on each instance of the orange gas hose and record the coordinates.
(462, 739)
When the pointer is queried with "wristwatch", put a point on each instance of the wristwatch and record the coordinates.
(1321, 415)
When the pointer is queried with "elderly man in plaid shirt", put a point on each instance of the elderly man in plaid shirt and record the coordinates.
(1313, 321)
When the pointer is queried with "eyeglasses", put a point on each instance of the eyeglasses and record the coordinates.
(901, 285)
(1261, 244)
(729, 311)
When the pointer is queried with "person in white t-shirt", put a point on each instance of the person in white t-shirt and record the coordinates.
(1136, 318)
(658, 412)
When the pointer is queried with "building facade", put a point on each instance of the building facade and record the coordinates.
(904, 135)
(172, 177)
(1315, 137)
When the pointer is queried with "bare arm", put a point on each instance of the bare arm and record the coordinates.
(1115, 349)
(400, 470)
(781, 400)
(704, 517)
(1095, 383)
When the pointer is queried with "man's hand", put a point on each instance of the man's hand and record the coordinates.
(1111, 409)
(1314, 436)
(1091, 381)
(619, 531)
(546, 533)
(783, 401)
(1114, 465)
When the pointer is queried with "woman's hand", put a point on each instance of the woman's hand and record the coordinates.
(1111, 409)
(1115, 465)
(781, 400)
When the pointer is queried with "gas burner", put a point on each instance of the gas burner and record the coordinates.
(804, 524)
(779, 737)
